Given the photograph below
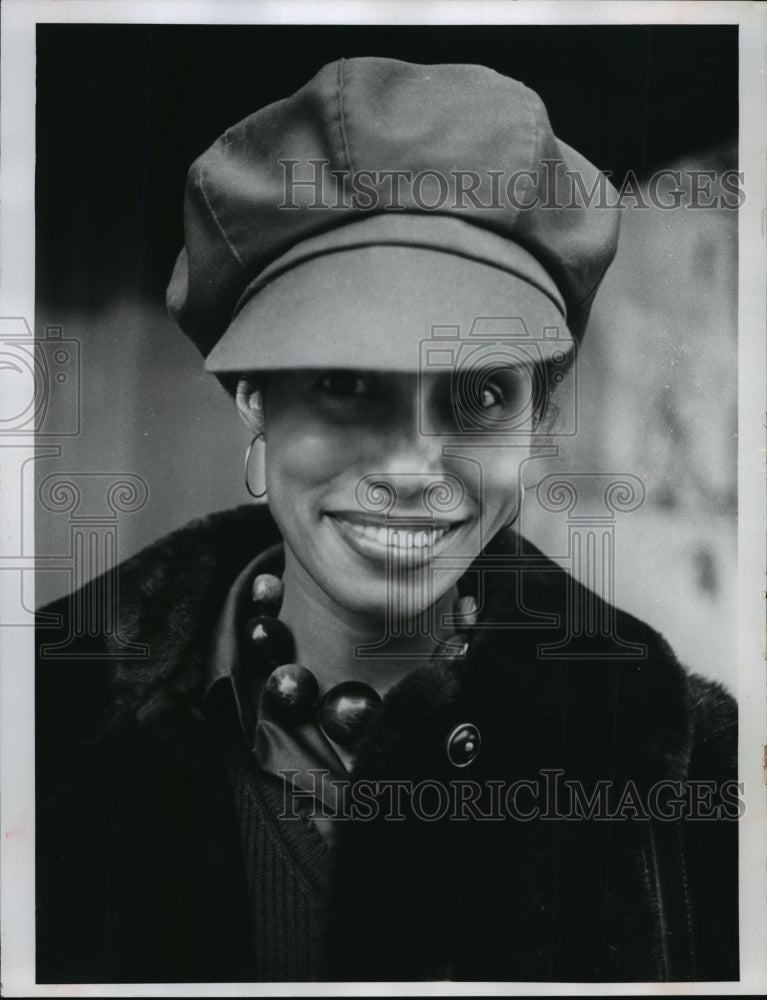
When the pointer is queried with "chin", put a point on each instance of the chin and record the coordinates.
(398, 594)
(395, 600)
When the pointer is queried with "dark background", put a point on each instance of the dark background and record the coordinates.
(122, 110)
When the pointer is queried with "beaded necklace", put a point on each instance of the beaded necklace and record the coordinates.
(347, 710)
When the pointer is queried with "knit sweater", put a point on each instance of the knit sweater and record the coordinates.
(284, 865)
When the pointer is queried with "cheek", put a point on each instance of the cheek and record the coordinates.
(500, 490)
(301, 456)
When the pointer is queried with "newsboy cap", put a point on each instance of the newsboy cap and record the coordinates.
(385, 200)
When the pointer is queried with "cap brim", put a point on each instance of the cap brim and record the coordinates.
(376, 307)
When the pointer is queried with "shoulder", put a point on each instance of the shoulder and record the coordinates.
(180, 573)
(145, 623)
(219, 544)
(569, 643)
(549, 596)
(552, 589)
(713, 729)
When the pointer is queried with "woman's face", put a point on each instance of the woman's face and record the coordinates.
(384, 489)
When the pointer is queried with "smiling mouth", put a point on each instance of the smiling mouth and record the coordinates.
(374, 536)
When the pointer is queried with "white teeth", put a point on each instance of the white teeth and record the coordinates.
(397, 538)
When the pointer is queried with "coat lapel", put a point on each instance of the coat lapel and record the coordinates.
(511, 897)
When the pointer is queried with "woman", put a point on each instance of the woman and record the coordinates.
(358, 747)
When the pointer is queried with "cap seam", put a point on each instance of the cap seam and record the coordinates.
(595, 287)
(342, 128)
(581, 302)
(537, 153)
(537, 131)
(213, 215)
(464, 255)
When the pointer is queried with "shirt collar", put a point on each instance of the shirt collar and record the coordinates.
(303, 751)
(224, 659)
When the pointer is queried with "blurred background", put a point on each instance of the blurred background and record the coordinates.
(122, 111)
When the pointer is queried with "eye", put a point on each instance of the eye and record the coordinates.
(343, 385)
(492, 391)
(491, 395)
(493, 398)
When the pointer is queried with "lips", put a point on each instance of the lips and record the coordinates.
(377, 538)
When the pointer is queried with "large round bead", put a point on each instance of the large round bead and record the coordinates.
(267, 594)
(268, 640)
(291, 693)
(466, 610)
(347, 710)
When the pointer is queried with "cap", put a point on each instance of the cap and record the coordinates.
(340, 227)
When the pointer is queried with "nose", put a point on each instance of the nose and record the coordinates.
(409, 475)
(412, 448)
(411, 440)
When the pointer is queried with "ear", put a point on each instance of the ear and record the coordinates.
(250, 403)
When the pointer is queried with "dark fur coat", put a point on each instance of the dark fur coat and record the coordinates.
(140, 872)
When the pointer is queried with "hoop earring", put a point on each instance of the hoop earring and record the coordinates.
(262, 475)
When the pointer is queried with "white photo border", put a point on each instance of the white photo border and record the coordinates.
(17, 268)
